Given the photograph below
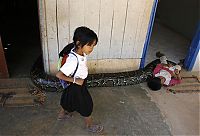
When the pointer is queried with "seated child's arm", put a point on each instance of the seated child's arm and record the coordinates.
(177, 74)
(157, 68)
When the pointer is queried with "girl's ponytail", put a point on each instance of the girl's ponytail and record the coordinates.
(67, 49)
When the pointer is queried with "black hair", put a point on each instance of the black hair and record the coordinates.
(82, 36)
(154, 84)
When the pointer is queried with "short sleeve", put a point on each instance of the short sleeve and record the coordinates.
(70, 65)
(172, 68)
(157, 69)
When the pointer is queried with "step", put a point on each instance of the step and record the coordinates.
(15, 83)
(20, 87)
(19, 102)
(16, 90)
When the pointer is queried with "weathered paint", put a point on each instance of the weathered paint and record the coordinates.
(52, 33)
(101, 66)
(121, 26)
(63, 27)
(43, 34)
(105, 28)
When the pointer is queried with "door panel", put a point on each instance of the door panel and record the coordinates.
(3, 66)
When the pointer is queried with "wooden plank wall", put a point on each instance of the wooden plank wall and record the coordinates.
(121, 26)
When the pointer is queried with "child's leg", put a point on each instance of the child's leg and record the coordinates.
(163, 60)
(162, 57)
(88, 121)
(64, 114)
(62, 111)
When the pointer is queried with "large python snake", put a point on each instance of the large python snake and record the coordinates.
(51, 83)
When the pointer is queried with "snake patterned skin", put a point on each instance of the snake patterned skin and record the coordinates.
(51, 83)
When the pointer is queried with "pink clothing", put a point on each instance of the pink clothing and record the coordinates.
(174, 81)
(159, 67)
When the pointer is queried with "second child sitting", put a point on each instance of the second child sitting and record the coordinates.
(164, 74)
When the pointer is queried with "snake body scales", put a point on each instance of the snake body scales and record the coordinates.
(51, 83)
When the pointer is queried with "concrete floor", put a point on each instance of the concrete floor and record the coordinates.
(123, 110)
(172, 44)
(181, 110)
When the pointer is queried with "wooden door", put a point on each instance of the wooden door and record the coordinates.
(3, 65)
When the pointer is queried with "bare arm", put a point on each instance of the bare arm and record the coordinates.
(62, 76)
(177, 74)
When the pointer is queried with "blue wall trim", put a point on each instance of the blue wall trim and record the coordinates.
(193, 51)
(149, 31)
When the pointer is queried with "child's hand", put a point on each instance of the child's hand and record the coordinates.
(177, 74)
(79, 81)
(176, 71)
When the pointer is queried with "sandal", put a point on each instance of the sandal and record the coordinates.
(65, 116)
(95, 128)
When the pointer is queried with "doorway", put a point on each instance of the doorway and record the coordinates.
(20, 35)
(173, 29)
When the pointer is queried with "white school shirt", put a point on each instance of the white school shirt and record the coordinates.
(70, 65)
(166, 75)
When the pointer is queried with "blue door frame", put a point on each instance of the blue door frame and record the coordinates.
(193, 51)
(194, 47)
(149, 31)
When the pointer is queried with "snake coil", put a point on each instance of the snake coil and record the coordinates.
(51, 83)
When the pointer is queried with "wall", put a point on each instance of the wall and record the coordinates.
(197, 64)
(121, 26)
(180, 15)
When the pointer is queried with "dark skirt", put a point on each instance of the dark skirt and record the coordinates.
(77, 98)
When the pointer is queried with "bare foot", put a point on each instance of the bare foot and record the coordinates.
(64, 115)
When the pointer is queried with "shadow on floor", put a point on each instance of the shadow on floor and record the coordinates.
(123, 110)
